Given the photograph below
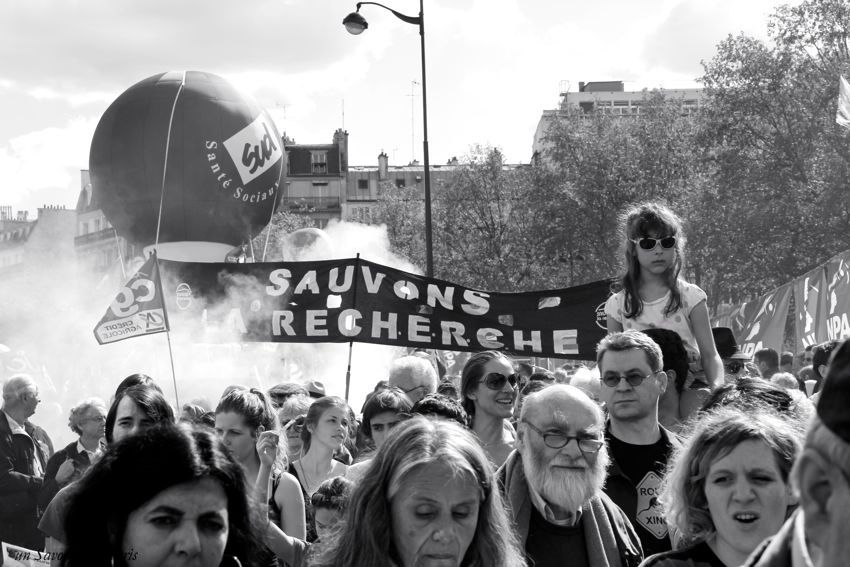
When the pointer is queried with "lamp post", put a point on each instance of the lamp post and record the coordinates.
(357, 24)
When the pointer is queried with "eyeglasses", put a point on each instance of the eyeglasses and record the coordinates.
(633, 378)
(413, 389)
(647, 243)
(97, 418)
(558, 440)
(497, 380)
(295, 425)
(733, 367)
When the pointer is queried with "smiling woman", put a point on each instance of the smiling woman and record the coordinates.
(727, 488)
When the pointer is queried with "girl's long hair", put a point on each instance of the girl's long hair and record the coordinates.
(650, 220)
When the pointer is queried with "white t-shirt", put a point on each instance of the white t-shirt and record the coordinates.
(653, 317)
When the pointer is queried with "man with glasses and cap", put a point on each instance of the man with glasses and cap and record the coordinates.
(734, 361)
(818, 533)
(631, 369)
(553, 482)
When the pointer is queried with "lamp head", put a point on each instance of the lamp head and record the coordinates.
(355, 23)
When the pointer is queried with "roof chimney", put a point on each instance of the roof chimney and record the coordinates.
(383, 166)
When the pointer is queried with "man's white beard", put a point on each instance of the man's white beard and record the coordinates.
(565, 488)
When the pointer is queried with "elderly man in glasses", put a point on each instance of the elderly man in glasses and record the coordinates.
(633, 380)
(553, 485)
(24, 451)
(415, 376)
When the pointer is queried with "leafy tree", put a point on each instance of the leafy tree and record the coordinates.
(776, 200)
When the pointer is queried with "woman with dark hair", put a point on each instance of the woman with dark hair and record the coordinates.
(430, 498)
(488, 389)
(135, 409)
(136, 380)
(727, 487)
(382, 411)
(246, 422)
(165, 496)
(324, 432)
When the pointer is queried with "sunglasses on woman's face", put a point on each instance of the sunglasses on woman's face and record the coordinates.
(497, 380)
(647, 243)
(734, 367)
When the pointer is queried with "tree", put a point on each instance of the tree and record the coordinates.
(777, 195)
(605, 163)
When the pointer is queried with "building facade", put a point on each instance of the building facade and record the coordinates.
(609, 97)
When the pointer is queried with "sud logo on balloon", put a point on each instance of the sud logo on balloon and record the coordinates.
(185, 161)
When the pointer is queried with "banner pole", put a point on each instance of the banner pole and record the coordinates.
(167, 329)
(351, 343)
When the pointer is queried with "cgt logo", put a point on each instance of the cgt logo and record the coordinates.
(254, 149)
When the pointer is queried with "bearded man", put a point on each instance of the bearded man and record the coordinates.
(553, 483)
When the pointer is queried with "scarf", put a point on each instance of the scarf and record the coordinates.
(603, 524)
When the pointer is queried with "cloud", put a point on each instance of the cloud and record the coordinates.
(693, 28)
(47, 163)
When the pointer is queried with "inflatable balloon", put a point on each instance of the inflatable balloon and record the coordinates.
(307, 244)
(223, 169)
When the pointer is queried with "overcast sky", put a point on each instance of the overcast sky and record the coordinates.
(493, 67)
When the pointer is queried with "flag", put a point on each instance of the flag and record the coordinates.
(842, 116)
(767, 327)
(138, 309)
(810, 292)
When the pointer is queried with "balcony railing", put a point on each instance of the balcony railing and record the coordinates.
(311, 203)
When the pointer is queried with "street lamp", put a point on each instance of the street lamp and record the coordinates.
(357, 24)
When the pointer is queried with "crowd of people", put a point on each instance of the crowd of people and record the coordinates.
(673, 448)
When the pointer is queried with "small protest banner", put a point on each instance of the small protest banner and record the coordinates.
(16, 556)
(138, 308)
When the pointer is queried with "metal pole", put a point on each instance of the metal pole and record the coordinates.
(429, 252)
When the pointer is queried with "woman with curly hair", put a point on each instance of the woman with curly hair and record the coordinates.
(727, 487)
(428, 497)
(88, 420)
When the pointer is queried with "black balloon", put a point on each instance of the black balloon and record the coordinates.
(224, 166)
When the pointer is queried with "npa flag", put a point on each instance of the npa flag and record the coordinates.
(842, 116)
(837, 306)
(767, 327)
(810, 293)
(138, 309)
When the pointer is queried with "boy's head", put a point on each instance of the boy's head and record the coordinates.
(329, 503)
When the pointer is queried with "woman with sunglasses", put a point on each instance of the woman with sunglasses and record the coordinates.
(654, 296)
(489, 387)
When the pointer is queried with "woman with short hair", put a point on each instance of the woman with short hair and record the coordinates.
(727, 487)
(87, 420)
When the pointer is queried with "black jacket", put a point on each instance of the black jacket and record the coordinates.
(20, 485)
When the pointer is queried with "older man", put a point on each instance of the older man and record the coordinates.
(415, 376)
(633, 380)
(553, 485)
(24, 451)
(818, 534)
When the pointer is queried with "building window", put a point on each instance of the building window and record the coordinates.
(363, 184)
(319, 162)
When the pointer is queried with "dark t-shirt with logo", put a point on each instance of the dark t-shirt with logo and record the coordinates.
(633, 484)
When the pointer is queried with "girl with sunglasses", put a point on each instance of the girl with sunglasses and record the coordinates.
(489, 386)
(654, 296)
